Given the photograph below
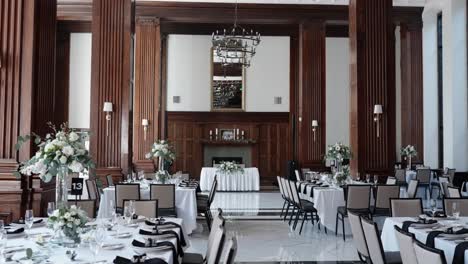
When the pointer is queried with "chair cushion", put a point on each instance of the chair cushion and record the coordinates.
(393, 257)
(343, 211)
(202, 205)
(192, 258)
(380, 211)
(308, 206)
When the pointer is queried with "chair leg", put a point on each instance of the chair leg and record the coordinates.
(292, 215)
(207, 218)
(303, 220)
(299, 213)
(342, 224)
(336, 224)
(287, 211)
(282, 210)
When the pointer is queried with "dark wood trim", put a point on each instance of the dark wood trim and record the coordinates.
(74, 26)
(337, 31)
(79, 10)
(238, 117)
(208, 28)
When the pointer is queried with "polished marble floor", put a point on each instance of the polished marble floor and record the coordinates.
(264, 238)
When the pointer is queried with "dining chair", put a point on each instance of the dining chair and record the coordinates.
(204, 204)
(358, 235)
(391, 181)
(298, 176)
(444, 183)
(453, 192)
(374, 244)
(185, 176)
(382, 199)
(400, 175)
(93, 193)
(146, 208)
(303, 207)
(461, 205)
(406, 207)
(129, 191)
(428, 255)
(424, 178)
(165, 194)
(405, 242)
(304, 172)
(230, 251)
(110, 180)
(287, 193)
(89, 206)
(357, 198)
(412, 189)
(450, 174)
(280, 185)
(214, 247)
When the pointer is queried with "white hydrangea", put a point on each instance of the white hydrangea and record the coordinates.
(63, 160)
(68, 151)
(76, 166)
(73, 137)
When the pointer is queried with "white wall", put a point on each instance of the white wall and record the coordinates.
(397, 93)
(337, 90)
(79, 106)
(189, 73)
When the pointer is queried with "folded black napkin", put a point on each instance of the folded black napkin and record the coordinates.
(433, 234)
(171, 233)
(21, 221)
(138, 259)
(150, 243)
(17, 231)
(407, 224)
(459, 255)
(163, 223)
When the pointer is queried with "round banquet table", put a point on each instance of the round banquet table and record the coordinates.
(185, 201)
(84, 255)
(249, 180)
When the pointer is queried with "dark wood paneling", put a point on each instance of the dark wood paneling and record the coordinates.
(311, 104)
(110, 82)
(74, 26)
(372, 78)
(269, 130)
(75, 10)
(147, 90)
(412, 112)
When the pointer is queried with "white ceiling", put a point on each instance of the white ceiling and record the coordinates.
(307, 2)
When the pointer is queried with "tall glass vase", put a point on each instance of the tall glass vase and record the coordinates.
(409, 162)
(160, 163)
(61, 187)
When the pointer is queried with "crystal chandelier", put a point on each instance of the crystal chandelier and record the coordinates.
(235, 46)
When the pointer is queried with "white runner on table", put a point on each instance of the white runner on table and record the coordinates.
(84, 254)
(249, 180)
(390, 242)
(185, 201)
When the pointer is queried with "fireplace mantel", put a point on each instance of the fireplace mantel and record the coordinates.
(228, 142)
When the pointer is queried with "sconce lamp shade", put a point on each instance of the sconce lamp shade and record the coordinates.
(378, 109)
(107, 107)
(314, 123)
(144, 122)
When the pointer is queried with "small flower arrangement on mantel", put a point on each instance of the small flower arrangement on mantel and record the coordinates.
(70, 221)
(229, 167)
(408, 153)
(162, 150)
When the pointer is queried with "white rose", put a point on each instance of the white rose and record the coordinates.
(40, 168)
(63, 159)
(73, 137)
(75, 166)
(66, 215)
(148, 155)
(49, 147)
(77, 221)
(68, 151)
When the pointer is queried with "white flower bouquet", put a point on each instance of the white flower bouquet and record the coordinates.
(70, 221)
(162, 176)
(63, 147)
(163, 149)
(408, 151)
(342, 177)
(229, 167)
(338, 152)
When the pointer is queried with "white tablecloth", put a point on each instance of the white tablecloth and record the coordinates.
(185, 201)
(58, 256)
(390, 242)
(249, 180)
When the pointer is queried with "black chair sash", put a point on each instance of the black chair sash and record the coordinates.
(138, 259)
(150, 243)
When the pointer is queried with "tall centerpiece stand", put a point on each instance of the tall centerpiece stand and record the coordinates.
(60, 153)
(339, 153)
(408, 153)
(164, 153)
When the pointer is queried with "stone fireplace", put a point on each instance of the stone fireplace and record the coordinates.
(239, 154)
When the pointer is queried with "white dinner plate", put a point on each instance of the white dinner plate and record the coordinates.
(113, 246)
(122, 235)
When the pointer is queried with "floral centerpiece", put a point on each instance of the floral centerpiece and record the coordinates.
(70, 221)
(408, 152)
(229, 167)
(338, 152)
(59, 153)
(162, 176)
(341, 177)
(162, 150)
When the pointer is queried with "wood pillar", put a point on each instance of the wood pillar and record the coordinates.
(110, 82)
(412, 118)
(372, 76)
(147, 90)
(311, 95)
(27, 72)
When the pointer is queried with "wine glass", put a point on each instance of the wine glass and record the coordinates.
(134, 177)
(97, 241)
(455, 211)
(50, 208)
(433, 207)
(368, 178)
(128, 214)
(358, 176)
(376, 179)
(28, 220)
(132, 207)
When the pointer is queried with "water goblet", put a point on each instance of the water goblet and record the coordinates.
(433, 204)
(376, 179)
(368, 178)
(128, 214)
(455, 211)
(28, 220)
(50, 208)
(358, 176)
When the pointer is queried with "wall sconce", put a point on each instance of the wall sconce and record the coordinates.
(108, 109)
(378, 111)
(145, 124)
(314, 127)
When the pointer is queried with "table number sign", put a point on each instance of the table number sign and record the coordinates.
(77, 186)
